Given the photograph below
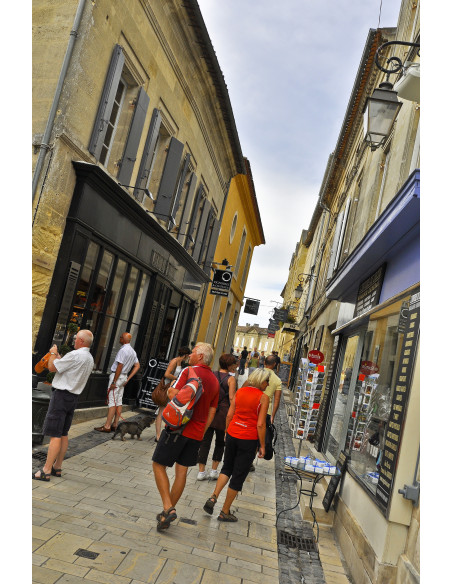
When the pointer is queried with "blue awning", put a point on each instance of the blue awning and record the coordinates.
(394, 239)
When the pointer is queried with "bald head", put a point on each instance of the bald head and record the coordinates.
(84, 338)
(125, 338)
(270, 361)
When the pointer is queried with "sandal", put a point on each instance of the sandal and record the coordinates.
(42, 477)
(227, 517)
(103, 429)
(56, 472)
(210, 504)
(165, 518)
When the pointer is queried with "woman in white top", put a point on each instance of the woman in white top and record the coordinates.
(172, 373)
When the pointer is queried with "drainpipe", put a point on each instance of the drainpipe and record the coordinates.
(44, 146)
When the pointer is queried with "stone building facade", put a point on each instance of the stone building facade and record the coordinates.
(134, 149)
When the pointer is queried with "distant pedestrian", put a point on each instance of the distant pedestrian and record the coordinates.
(228, 387)
(71, 374)
(278, 362)
(172, 372)
(181, 449)
(245, 426)
(243, 359)
(124, 367)
(261, 360)
(253, 361)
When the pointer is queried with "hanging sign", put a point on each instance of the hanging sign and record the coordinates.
(368, 368)
(369, 292)
(251, 306)
(280, 314)
(221, 282)
(316, 356)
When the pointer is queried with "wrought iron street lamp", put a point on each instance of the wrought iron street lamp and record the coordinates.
(382, 107)
(298, 291)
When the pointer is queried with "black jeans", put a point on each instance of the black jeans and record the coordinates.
(205, 445)
(242, 366)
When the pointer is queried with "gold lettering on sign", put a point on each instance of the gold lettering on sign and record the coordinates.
(396, 416)
(410, 335)
(405, 361)
(409, 343)
(402, 378)
(398, 408)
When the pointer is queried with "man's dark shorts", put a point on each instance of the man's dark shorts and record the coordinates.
(60, 413)
(173, 447)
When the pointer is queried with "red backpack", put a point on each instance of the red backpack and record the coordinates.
(179, 410)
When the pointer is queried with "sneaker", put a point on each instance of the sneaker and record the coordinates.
(201, 476)
(214, 474)
(252, 468)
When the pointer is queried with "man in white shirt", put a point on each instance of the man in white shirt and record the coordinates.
(71, 374)
(125, 366)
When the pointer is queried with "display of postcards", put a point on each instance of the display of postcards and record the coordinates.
(305, 405)
(357, 445)
(314, 413)
(369, 389)
(300, 432)
(307, 394)
(360, 426)
(302, 423)
(364, 407)
(320, 374)
(319, 386)
(310, 377)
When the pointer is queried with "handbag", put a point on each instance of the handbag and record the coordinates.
(271, 437)
(42, 363)
(219, 420)
(159, 394)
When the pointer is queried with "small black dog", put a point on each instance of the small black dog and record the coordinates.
(134, 428)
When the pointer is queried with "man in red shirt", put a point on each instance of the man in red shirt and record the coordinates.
(182, 449)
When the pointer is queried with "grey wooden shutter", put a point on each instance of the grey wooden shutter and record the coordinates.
(106, 101)
(342, 233)
(180, 187)
(133, 139)
(334, 245)
(212, 246)
(169, 178)
(148, 152)
(194, 212)
(184, 222)
(201, 233)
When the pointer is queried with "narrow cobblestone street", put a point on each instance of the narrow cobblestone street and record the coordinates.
(106, 503)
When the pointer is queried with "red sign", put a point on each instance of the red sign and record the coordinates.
(368, 367)
(316, 356)
(271, 335)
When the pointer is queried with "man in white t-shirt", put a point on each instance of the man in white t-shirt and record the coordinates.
(125, 366)
(71, 374)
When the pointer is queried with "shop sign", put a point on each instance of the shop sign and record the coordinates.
(221, 282)
(369, 292)
(284, 371)
(280, 314)
(251, 306)
(368, 368)
(396, 418)
(271, 335)
(155, 370)
(273, 326)
(403, 317)
(316, 356)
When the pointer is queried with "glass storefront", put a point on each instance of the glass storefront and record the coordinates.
(364, 390)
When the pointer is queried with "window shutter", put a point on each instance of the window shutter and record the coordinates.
(184, 222)
(194, 212)
(201, 232)
(133, 139)
(334, 246)
(212, 246)
(169, 178)
(341, 236)
(148, 152)
(180, 186)
(106, 101)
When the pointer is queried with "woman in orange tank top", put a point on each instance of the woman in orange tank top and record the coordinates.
(245, 432)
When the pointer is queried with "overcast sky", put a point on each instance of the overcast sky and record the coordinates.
(289, 67)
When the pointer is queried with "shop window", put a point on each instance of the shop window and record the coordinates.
(246, 267)
(366, 385)
(112, 123)
(233, 227)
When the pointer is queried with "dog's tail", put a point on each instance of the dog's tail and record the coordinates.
(116, 431)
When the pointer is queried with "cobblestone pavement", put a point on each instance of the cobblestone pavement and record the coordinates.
(104, 506)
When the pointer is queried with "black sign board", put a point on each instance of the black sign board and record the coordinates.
(403, 317)
(273, 326)
(341, 464)
(284, 371)
(251, 306)
(154, 372)
(280, 314)
(327, 393)
(221, 282)
(369, 291)
(396, 418)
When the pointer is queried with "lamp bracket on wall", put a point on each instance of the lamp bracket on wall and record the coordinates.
(395, 62)
(146, 191)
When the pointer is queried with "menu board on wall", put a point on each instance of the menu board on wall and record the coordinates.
(155, 370)
(320, 430)
(398, 406)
